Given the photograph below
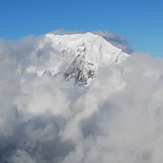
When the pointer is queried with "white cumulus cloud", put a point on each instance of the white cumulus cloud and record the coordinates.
(118, 118)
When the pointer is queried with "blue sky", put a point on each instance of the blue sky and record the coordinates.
(140, 21)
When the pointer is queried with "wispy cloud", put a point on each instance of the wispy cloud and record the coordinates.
(116, 40)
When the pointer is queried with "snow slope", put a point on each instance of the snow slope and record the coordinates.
(76, 56)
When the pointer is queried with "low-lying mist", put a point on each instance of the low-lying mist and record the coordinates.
(117, 119)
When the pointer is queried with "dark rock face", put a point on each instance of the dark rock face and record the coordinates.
(80, 69)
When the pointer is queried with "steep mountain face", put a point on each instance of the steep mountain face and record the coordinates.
(76, 56)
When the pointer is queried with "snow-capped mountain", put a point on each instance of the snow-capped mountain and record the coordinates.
(76, 56)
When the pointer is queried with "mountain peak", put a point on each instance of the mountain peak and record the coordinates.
(76, 55)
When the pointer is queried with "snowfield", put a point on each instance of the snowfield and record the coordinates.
(78, 56)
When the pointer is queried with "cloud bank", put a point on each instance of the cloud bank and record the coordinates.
(118, 118)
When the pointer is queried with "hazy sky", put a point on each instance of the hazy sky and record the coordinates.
(141, 22)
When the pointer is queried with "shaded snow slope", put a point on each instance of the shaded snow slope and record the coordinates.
(76, 56)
